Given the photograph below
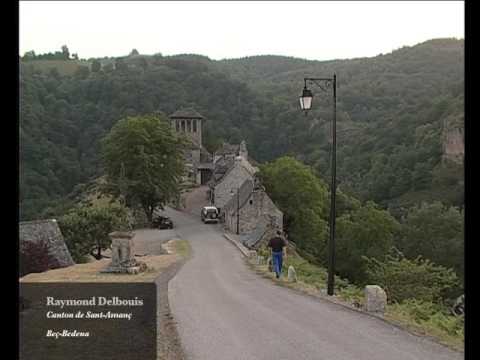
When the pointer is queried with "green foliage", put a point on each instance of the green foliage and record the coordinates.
(366, 231)
(436, 232)
(430, 318)
(34, 257)
(303, 199)
(405, 279)
(85, 228)
(96, 66)
(144, 161)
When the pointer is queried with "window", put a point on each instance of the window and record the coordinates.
(189, 125)
(183, 125)
(177, 126)
(251, 202)
(194, 125)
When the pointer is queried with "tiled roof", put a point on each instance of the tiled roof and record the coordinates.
(186, 113)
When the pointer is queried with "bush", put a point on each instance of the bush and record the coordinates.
(405, 279)
(434, 318)
(35, 258)
(366, 231)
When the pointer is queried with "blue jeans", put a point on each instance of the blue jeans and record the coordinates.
(277, 259)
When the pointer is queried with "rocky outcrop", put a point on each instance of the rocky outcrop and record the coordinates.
(454, 145)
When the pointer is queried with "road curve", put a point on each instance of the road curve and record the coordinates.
(225, 311)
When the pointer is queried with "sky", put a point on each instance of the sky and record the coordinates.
(314, 30)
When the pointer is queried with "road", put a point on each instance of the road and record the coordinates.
(225, 311)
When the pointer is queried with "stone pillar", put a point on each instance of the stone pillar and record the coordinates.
(123, 254)
(375, 299)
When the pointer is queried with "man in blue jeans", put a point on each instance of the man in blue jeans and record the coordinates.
(278, 247)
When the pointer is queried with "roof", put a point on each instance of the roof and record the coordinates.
(251, 239)
(186, 113)
(210, 208)
(227, 148)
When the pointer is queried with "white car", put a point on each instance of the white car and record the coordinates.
(210, 214)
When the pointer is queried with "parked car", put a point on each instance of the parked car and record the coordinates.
(162, 222)
(210, 214)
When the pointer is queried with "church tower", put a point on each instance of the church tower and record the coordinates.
(189, 122)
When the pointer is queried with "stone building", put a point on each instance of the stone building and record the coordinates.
(49, 232)
(233, 178)
(253, 210)
(198, 160)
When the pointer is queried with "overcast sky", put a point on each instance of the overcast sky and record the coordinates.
(313, 30)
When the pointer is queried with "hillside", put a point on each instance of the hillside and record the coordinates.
(400, 117)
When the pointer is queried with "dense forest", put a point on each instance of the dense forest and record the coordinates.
(395, 114)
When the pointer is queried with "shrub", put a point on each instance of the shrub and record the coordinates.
(434, 318)
(405, 279)
(35, 257)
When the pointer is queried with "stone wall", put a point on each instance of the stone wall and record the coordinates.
(47, 230)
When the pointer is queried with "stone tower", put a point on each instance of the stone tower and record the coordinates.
(189, 122)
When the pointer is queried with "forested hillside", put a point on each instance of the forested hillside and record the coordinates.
(397, 114)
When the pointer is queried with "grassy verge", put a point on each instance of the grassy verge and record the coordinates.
(182, 248)
(420, 318)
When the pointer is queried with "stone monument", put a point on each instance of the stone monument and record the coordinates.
(123, 254)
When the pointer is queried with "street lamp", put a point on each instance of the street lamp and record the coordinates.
(306, 104)
(232, 192)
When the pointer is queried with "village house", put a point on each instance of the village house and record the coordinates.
(235, 175)
(236, 190)
(252, 210)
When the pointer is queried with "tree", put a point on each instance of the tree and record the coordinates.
(29, 55)
(366, 231)
(86, 227)
(435, 232)
(82, 72)
(96, 66)
(302, 197)
(65, 52)
(145, 154)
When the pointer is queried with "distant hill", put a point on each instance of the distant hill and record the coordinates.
(64, 67)
(400, 117)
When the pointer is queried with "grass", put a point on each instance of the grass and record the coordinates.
(426, 319)
(182, 248)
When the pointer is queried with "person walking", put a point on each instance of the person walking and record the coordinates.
(278, 247)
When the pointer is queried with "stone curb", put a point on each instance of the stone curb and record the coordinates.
(245, 252)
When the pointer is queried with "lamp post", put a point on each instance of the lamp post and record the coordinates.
(232, 192)
(306, 104)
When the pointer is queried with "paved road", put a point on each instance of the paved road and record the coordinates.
(225, 311)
